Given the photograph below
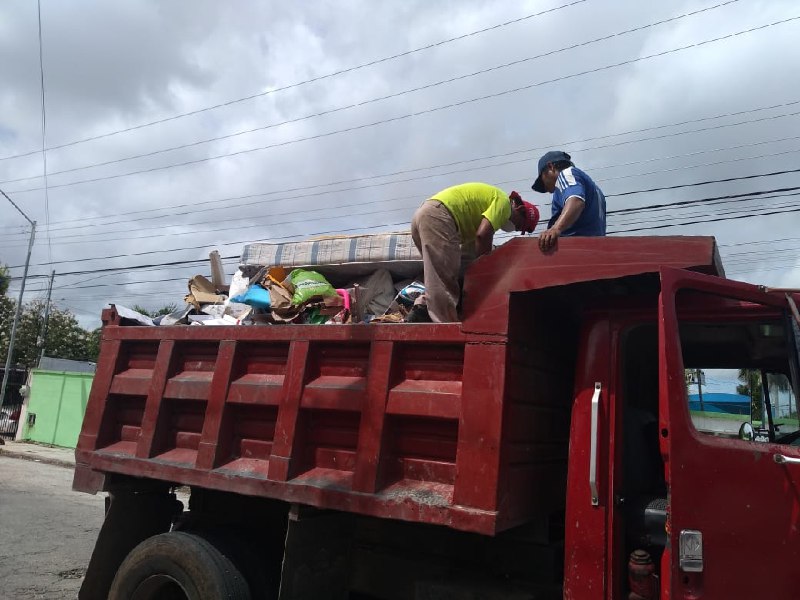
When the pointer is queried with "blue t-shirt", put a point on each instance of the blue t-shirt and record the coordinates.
(574, 182)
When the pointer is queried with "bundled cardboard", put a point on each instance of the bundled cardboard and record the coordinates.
(202, 291)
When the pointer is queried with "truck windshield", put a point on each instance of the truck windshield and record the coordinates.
(738, 379)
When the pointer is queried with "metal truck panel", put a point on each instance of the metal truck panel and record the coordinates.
(465, 426)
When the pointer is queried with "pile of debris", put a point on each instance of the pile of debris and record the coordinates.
(271, 295)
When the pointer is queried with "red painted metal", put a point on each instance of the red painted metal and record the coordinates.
(586, 533)
(520, 265)
(459, 425)
(745, 505)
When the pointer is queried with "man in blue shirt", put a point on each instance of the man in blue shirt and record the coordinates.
(579, 206)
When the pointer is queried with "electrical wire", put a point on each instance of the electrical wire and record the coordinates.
(650, 207)
(217, 221)
(366, 228)
(300, 83)
(715, 220)
(420, 112)
(97, 239)
(194, 205)
(44, 137)
(369, 101)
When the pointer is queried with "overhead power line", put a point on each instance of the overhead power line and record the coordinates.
(301, 83)
(760, 242)
(217, 222)
(714, 220)
(632, 230)
(420, 112)
(194, 205)
(699, 212)
(707, 182)
(66, 288)
(371, 100)
(44, 136)
(729, 259)
(360, 229)
(240, 205)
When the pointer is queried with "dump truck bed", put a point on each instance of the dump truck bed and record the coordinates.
(464, 425)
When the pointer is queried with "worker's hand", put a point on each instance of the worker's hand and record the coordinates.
(548, 239)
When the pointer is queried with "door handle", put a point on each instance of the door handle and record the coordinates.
(785, 460)
(593, 448)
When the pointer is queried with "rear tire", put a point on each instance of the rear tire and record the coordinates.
(178, 566)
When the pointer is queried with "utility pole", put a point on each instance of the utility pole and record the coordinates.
(43, 332)
(698, 374)
(19, 301)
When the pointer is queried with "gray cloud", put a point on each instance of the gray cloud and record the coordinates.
(111, 66)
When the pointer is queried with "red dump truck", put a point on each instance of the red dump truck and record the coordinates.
(547, 446)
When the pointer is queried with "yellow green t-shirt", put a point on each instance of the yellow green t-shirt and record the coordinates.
(469, 203)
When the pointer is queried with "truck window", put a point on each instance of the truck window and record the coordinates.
(738, 379)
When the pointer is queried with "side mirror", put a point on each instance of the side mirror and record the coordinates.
(746, 432)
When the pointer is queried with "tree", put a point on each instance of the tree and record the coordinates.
(65, 337)
(93, 344)
(155, 312)
(5, 279)
(753, 387)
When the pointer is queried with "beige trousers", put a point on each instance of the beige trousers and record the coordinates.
(436, 237)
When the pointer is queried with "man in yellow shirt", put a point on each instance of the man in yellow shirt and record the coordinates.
(461, 215)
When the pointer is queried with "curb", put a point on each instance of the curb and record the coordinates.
(56, 462)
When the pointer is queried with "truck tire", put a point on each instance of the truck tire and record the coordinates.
(178, 566)
(261, 573)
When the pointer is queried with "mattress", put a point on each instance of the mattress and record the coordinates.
(342, 256)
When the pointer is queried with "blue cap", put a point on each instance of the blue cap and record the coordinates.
(553, 156)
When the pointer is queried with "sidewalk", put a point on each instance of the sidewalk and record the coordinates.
(61, 457)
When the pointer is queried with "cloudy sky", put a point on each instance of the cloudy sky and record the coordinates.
(175, 128)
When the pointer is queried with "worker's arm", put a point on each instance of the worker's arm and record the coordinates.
(484, 237)
(573, 208)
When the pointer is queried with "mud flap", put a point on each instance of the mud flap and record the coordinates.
(316, 560)
(131, 518)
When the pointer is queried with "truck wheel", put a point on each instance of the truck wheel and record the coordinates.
(177, 566)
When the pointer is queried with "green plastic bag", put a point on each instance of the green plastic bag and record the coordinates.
(308, 285)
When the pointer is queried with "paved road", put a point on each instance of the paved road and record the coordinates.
(47, 531)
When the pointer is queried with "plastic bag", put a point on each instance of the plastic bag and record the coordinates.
(255, 296)
(308, 285)
(239, 284)
(410, 293)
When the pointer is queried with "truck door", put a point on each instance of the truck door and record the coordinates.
(729, 435)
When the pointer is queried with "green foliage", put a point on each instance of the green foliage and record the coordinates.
(65, 337)
(93, 344)
(155, 312)
(5, 279)
(753, 387)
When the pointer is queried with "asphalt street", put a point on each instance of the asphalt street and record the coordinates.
(47, 531)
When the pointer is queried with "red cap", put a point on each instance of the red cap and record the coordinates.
(531, 212)
(531, 217)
